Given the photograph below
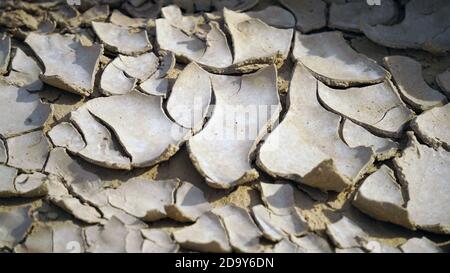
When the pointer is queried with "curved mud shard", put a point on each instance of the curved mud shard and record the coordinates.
(245, 107)
(77, 75)
(315, 156)
(329, 57)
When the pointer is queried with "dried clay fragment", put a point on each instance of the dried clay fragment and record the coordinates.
(355, 135)
(144, 131)
(22, 111)
(144, 199)
(177, 33)
(311, 243)
(101, 148)
(158, 241)
(330, 58)
(230, 136)
(424, 172)
(190, 97)
(425, 26)
(189, 205)
(407, 74)
(29, 151)
(65, 135)
(255, 41)
(352, 15)
(23, 185)
(242, 231)
(54, 237)
(25, 72)
(77, 75)
(433, 127)
(381, 197)
(59, 195)
(420, 245)
(310, 14)
(122, 40)
(377, 107)
(345, 233)
(16, 222)
(316, 155)
(207, 235)
(276, 227)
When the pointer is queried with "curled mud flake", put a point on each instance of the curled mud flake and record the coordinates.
(316, 155)
(114, 81)
(420, 245)
(28, 152)
(376, 107)
(141, 126)
(311, 243)
(140, 67)
(189, 100)
(351, 16)
(158, 241)
(310, 14)
(230, 136)
(155, 87)
(119, 19)
(77, 75)
(380, 196)
(189, 205)
(65, 135)
(15, 223)
(355, 135)
(275, 227)
(22, 111)
(122, 40)
(5, 53)
(144, 199)
(443, 80)
(407, 74)
(330, 58)
(433, 127)
(242, 232)
(424, 172)
(207, 235)
(426, 25)
(279, 197)
(25, 72)
(101, 148)
(255, 41)
(345, 233)
(182, 36)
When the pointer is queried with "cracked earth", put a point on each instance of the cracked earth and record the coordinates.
(307, 126)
